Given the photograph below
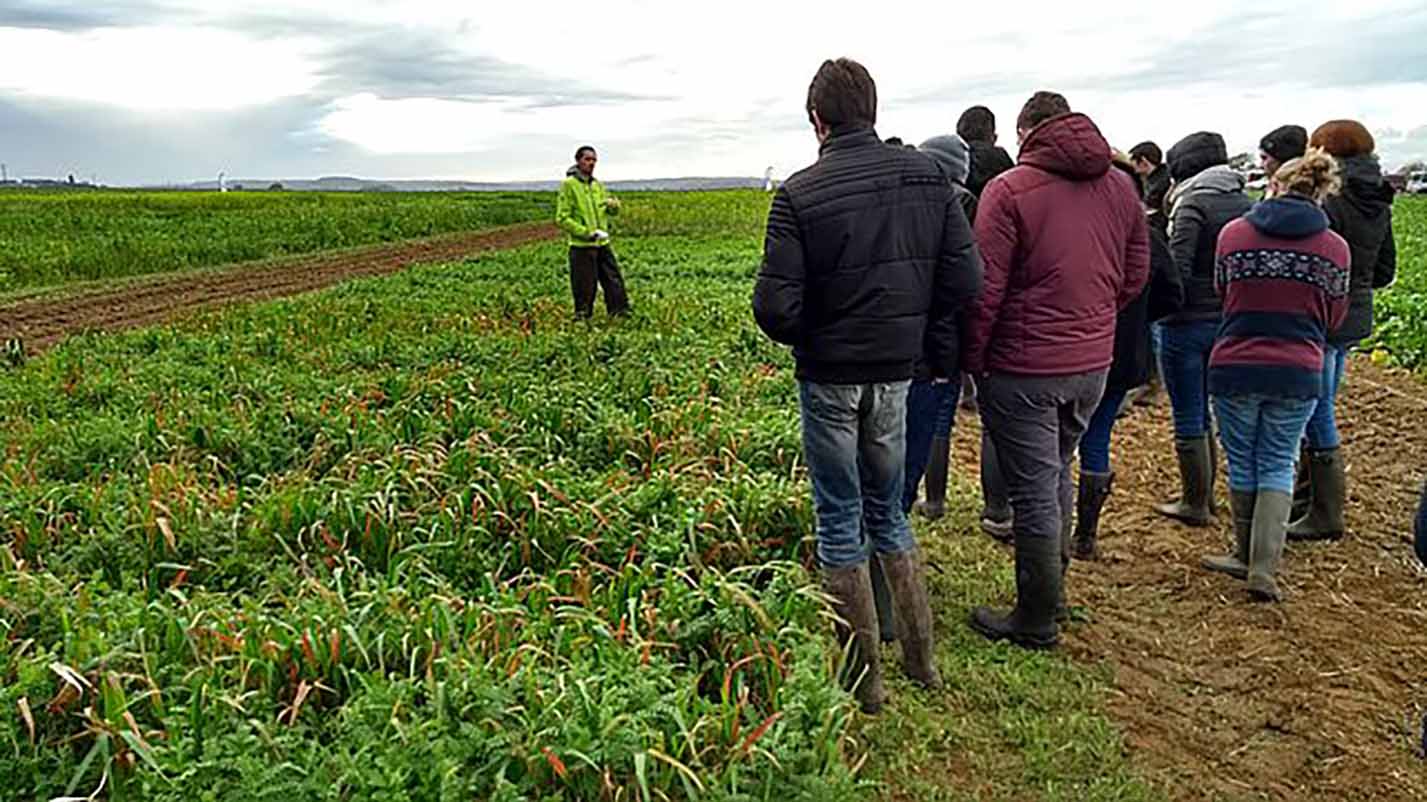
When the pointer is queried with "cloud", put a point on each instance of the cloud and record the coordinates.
(425, 64)
(77, 17)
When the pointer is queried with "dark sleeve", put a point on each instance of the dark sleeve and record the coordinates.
(1386, 270)
(1422, 527)
(1166, 288)
(956, 284)
(1184, 227)
(1137, 254)
(778, 295)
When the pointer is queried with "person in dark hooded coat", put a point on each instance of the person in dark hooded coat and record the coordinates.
(1207, 195)
(1362, 214)
(1161, 298)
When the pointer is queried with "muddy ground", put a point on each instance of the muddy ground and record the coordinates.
(1321, 697)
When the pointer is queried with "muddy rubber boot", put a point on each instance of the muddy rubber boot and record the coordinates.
(1195, 475)
(996, 516)
(1237, 563)
(851, 587)
(1329, 480)
(906, 573)
(1210, 502)
(1302, 487)
(1031, 623)
(1090, 500)
(934, 506)
(1266, 543)
(882, 598)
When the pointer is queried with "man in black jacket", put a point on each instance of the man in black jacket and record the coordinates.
(1149, 163)
(868, 260)
(977, 126)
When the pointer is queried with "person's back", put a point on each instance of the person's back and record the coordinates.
(1066, 246)
(870, 222)
(1207, 194)
(867, 252)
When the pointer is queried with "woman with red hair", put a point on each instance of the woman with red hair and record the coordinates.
(1362, 214)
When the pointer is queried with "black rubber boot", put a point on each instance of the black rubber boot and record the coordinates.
(1031, 623)
(1236, 564)
(906, 573)
(1302, 487)
(1090, 500)
(1196, 474)
(882, 598)
(851, 588)
(1266, 543)
(1324, 520)
(996, 516)
(934, 505)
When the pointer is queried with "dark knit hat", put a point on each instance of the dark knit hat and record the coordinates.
(1196, 153)
(1285, 142)
(1343, 139)
(951, 154)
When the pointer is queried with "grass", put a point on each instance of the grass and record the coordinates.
(54, 238)
(424, 537)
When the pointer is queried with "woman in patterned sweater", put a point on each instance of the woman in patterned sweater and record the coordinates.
(1284, 277)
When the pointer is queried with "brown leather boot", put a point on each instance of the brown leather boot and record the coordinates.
(906, 573)
(851, 588)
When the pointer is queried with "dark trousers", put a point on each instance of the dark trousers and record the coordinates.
(592, 268)
(931, 412)
(1036, 423)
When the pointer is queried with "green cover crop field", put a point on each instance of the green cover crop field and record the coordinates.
(424, 537)
(51, 238)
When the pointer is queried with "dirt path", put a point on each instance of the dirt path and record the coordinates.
(1319, 698)
(43, 321)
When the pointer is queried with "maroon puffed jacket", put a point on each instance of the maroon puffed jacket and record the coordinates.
(1065, 246)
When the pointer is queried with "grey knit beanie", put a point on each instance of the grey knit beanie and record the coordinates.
(951, 154)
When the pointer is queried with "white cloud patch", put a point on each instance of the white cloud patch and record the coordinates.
(154, 68)
(505, 90)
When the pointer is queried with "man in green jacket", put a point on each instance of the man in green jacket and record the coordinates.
(583, 211)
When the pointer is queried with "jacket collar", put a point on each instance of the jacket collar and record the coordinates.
(846, 137)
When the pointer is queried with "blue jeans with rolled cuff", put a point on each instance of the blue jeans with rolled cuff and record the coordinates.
(1261, 436)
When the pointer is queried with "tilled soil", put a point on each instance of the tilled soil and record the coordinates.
(41, 322)
(1321, 697)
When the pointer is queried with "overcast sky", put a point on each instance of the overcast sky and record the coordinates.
(149, 91)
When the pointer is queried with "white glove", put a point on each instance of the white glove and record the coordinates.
(599, 235)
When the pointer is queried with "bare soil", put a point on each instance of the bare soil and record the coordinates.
(42, 321)
(1321, 697)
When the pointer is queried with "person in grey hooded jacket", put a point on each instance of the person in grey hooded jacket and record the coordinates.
(1207, 194)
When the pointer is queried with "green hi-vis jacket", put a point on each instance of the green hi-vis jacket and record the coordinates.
(580, 210)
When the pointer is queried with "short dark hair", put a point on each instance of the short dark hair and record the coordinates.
(977, 124)
(843, 93)
(580, 151)
(1041, 107)
(1148, 151)
(895, 141)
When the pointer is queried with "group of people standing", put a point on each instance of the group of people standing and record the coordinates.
(1058, 284)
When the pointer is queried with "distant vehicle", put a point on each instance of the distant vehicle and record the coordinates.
(1417, 183)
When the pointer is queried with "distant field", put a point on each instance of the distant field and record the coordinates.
(1402, 309)
(53, 238)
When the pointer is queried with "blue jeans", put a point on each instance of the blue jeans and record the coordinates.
(931, 410)
(854, 441)
(1095, 443)
(1184, 356)
(1261, 437)
(1323, 426)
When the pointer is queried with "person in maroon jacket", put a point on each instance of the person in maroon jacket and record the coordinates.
(1285, 278)
(1065, 247)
